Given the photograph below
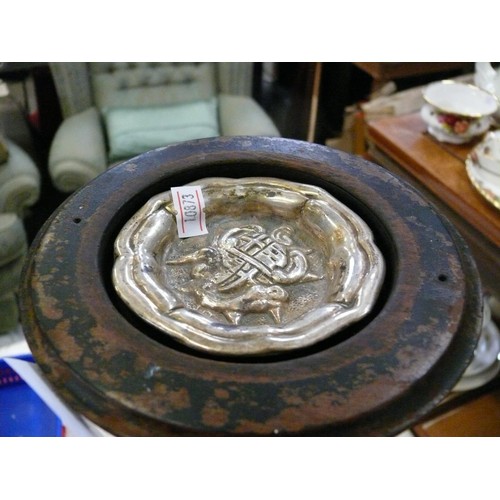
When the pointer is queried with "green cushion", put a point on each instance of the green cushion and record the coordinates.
(132, 131)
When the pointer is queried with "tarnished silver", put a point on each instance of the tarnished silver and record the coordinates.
(283, 266)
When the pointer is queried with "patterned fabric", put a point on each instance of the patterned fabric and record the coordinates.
(191, 81)
(73, 87)
(235, 78)
(78, 152)
(12, 238)
(13, 250)
(19, 181)
(151, 84)
(19, 188)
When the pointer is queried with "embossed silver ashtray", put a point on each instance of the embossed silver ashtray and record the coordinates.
(283, 266)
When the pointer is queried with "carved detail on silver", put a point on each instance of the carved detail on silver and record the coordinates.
(284, 265)
(245, 270)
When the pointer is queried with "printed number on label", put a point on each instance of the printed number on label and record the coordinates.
(189, 205)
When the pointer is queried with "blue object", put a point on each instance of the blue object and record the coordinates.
(22, 411)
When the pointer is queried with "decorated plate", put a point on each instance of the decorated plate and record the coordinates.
(487, 183)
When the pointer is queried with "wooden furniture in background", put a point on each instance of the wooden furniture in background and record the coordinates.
(313, 114)
(403, 145)
(383, 72)
(477, 416)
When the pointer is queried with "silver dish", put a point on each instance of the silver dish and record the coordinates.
(283, 266)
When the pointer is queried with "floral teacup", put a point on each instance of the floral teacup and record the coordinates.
(457, 112)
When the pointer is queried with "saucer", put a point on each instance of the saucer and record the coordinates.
(487, 351)
(487, 184)
(475, 381)
(487, 153)
(486, 363)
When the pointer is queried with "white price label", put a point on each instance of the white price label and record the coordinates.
(189, 205)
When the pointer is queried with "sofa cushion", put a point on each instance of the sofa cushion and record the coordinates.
(132, 131)
(13, 239)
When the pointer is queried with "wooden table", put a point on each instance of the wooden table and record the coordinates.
(402, 144)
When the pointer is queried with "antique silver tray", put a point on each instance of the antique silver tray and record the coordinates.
(283, 266)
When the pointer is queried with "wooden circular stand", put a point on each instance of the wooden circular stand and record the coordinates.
(377, 377)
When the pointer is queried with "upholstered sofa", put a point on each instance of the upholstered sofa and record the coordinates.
(114, 111)
(19, 189)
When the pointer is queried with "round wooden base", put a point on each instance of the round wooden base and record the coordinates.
(377, 377)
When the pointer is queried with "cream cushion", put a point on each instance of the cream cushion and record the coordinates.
(132, 131)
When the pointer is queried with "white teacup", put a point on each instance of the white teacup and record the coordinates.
(452, 128)
(456, 112)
